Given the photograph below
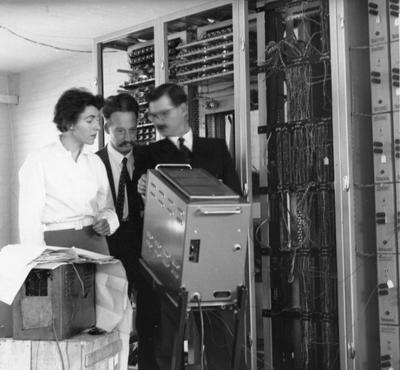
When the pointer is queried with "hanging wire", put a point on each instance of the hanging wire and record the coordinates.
(9, 30)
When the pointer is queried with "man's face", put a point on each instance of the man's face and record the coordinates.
(121, 126)
(168, 119)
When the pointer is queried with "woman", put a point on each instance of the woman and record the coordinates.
(65, 199)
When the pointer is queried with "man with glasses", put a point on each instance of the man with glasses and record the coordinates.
(169, 112)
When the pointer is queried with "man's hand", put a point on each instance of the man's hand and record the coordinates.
(101, 227)
(142, 184)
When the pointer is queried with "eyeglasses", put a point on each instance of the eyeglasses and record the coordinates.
(159, 115)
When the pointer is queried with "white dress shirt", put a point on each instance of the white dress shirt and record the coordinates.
(116, 166)
(188, 140)
(56, 190)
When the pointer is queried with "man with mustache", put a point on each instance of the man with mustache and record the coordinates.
(120, 115)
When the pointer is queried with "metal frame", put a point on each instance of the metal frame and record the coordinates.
(242, 143)
(341, 118)
(264, 198)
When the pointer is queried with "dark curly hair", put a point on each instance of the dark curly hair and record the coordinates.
(71, 104)
(175, 92)
(120, 103)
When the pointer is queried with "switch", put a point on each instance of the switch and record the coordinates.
(381, 218)
(388, 285)
(194, 250)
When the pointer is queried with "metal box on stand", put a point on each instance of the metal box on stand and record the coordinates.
(195, 233)
(55, 304)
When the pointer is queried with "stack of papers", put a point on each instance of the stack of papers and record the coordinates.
(17, 260)
(53, 257)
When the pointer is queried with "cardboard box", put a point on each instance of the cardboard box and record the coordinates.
(55, 304)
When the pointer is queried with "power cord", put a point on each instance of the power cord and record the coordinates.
(58, 344)
(197, 298)
(84, 294)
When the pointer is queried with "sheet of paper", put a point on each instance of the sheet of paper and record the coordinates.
(15, 264)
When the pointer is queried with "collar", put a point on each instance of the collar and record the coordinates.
(116, 155)
(64, 150)
(188, 140)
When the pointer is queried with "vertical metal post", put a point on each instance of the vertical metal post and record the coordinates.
(160, 56)
(98, 80)
(160, 52)
(242, 144)
(341, 119)
(264, 199)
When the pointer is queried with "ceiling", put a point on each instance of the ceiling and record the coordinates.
(70, 24)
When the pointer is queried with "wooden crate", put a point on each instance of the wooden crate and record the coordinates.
(81, 352)
(55, 304)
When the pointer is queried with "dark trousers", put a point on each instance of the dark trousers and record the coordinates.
(124, 244)
(147, 325)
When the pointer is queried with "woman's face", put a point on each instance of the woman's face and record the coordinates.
(87, 126)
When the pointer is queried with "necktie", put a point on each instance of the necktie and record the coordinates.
(184, 150)
(123, 179)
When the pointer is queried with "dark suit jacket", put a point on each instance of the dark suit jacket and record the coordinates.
(208, 153)
(135, 205)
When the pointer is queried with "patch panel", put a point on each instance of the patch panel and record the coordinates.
(385, 218)
(382, 148)
(388, 285)
(380, 80)
(378, 22)
(389, 343)
(395, 75)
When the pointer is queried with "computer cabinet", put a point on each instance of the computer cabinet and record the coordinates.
(224, 54)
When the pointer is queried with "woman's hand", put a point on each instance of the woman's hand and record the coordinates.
(102, 227)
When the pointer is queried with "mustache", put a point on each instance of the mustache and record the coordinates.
(126, 142)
